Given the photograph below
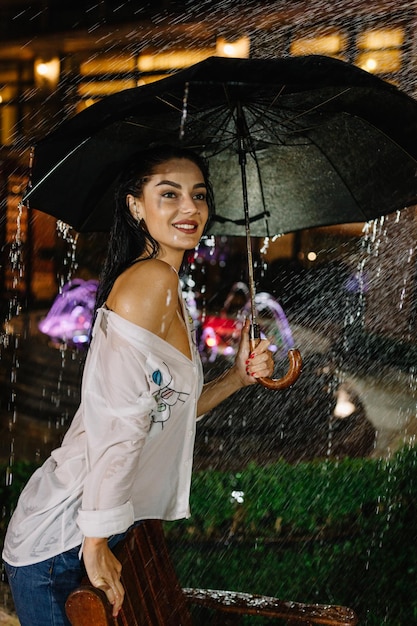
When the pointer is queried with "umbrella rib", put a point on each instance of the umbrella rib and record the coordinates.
(240, 222)
(56, 166)
(266, 113)
(317, 107)
(144, 126)
(219, 132)
(170, 104)
(233, 115)
(281, 139)
(252, 152)
(261, 186)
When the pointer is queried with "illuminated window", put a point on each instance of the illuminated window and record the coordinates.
(381, 38)
(107, 64)
(238, 49)
(47, 73)
(104, 88)
(380, 61)
(8, 115)
(172, 60)
(329, 44)
(105, 74)
(380, 50)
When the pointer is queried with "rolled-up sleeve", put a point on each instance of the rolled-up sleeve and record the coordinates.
(117, 404)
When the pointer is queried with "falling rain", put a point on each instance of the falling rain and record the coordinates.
(307, 494)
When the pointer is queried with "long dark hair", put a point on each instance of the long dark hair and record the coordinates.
(130, 239)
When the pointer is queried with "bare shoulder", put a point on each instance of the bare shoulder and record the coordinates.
(146, 294)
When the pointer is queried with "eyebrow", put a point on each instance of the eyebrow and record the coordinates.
(177, 185)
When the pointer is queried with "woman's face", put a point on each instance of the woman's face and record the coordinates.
(174, 206)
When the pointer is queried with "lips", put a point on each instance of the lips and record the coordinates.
(186, 226)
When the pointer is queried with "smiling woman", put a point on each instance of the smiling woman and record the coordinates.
(127, 455)
(174, 199)
(172, 206)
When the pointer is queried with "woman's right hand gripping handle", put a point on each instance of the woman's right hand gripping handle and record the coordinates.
(103, 570)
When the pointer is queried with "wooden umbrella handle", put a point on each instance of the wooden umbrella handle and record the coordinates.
(294, 370)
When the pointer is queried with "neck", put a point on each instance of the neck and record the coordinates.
(174, 260)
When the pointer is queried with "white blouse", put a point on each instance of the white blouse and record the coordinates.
(128, 452)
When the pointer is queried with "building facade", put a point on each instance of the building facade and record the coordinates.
(59, 56)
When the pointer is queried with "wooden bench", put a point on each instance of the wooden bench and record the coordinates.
(154, 596)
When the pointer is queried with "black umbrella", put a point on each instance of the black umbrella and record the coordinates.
(310, 141)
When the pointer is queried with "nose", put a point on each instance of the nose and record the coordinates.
(188, 204)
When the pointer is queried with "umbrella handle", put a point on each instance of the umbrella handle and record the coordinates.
(294, 371)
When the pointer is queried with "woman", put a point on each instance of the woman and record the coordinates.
(127, 455)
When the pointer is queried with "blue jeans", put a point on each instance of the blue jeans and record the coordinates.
(41, 590)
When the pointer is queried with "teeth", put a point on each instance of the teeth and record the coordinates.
(185, 226)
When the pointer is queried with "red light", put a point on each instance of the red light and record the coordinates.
(222, 325)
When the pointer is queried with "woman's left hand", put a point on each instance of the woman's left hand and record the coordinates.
(248, 366)
(103, 570)
(254, 364)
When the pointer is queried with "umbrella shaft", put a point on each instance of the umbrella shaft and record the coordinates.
(251, 279)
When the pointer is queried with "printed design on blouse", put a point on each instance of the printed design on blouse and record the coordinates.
(192, 325)
(166, 396)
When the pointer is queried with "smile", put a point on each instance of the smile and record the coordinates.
(187, 227)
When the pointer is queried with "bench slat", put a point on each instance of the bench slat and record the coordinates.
(154, 596)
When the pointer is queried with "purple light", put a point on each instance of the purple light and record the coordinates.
(70, 316)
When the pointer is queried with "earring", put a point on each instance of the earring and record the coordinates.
(136, 212)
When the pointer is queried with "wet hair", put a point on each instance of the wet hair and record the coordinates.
(130, 239)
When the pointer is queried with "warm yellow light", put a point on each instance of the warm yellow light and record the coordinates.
(381, 38)
(370, 65)
(238, 49)
(92, 89)
(344, 405)
(42, 69)
(47, 72)
(84, 104)
(108, 64)
(8, 92)
(145, 80)
(320, 44)
(172, 60)
(311, 256)
(380, 61)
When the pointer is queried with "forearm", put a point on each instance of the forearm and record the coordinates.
(218, 390)
(247, 368)
(103, 570)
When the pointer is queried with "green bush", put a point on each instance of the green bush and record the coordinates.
(340, 532)
(282, 500)
(328, 532)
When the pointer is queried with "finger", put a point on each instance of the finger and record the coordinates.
(244, 337)
(262, 346)
(246, 326)
(117, 604)
(115, 595)
(119, 597)
(114, 592)
(260, 365)
(258, 359)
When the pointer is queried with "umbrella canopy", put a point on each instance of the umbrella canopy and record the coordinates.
(324, 143)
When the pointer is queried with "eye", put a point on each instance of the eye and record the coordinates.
(169, 194)
(200, 196)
